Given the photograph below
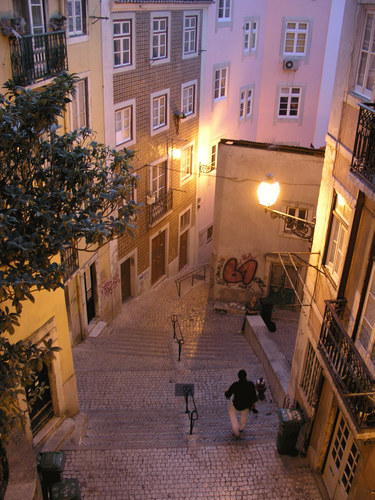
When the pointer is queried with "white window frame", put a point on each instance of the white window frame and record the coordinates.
(82, 83)
(189, 98)
(367, 324)
(187, 153)
(128, 140)
(337, 239)
(73, 16)
(156, 164)
(251, 34)
(219, 87)
(155, 100)
(189, 31)
(187, 225)
(246, 102)
(296, 33)
(158, 16)
(123, 38)
(224, 11)
(289, 92)
(365, 56)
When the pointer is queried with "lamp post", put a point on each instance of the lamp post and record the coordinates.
(268, 191)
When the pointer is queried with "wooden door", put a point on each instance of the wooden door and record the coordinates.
(183, 250)
(158, 257)
(125, 280)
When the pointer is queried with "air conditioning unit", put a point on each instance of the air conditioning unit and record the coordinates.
(150, 199)
(290, 64)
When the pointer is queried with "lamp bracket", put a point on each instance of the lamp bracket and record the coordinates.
(300, 227)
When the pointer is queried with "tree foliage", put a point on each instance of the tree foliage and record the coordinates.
(58, 190)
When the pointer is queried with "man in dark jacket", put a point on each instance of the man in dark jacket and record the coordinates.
(244, 399)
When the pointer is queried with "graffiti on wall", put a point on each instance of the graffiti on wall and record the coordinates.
(109, 286)
(240, 273)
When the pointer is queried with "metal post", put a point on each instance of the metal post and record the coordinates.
(179, 350)
(186, 394)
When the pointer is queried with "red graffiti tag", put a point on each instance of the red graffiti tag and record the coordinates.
(245, 273)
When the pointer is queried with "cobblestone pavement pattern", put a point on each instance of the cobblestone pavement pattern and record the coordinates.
(138, 444)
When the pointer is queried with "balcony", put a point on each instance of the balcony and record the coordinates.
(363, 160)
(161, 206)
(69, 257)
(352, 379)
(38, 57)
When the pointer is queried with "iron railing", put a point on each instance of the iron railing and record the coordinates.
(198, 274)
(160, 207)
(177, 334)
(363, 159)
(69, 258)
(38, 57)
(192, 414)
(352, 377)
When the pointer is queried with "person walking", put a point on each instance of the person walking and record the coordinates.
(244, 398)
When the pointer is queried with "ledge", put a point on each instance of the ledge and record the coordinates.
(274, 362)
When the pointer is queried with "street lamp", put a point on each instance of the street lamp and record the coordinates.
(268, 191)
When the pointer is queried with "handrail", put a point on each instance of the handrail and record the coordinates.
(178, 337)
(193, 414)
(192, 274)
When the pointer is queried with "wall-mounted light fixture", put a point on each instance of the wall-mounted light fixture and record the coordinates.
(268, 191)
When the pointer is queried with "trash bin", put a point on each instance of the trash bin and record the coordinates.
(66, 490)
(290, 423)
(266, 306)
(50, 468)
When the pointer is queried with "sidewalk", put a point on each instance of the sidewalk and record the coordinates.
(138, 444)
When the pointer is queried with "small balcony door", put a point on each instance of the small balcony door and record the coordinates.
(341, 462)
(183, 257)
(125, 280)
(36, 16)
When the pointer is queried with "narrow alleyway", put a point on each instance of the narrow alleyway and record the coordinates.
(138, 444)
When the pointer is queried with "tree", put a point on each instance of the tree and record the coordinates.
(58, 191)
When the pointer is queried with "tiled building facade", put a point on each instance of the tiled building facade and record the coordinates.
(152, 63)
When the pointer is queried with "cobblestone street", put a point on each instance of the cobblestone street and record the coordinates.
(138, 444)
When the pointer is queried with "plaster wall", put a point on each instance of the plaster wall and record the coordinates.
(243, 233)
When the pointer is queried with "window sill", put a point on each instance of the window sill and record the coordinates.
(74, 39)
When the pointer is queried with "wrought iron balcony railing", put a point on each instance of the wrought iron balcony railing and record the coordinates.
(363, 160)
(160, 207)
(69, 257)
(38, 57)
(352, 377)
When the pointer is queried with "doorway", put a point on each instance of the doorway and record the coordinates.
(183, 257)
(125, 280)
(158, 257)
(90, 280)
(341, 463)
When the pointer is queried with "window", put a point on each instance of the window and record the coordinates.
(311, 376)
(246, 102)
(159, 179)
(185, 220)
(186, 162)
(159, 38)
(160, 108)
(250, 36)
(220, 83)
(295, 38)
(337, 237)
(301, 213)
(76, 17)
(209, 233)
(189, 98)
(366, 67)
(79, 105)
(122, 42)
(190, 35)
(213, 156)
(124, 125)
(223, 13)
(289, 102)
(366, 332)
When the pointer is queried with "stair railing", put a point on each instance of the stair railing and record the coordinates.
(177, 334)
(200, 273)
(193, 414)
